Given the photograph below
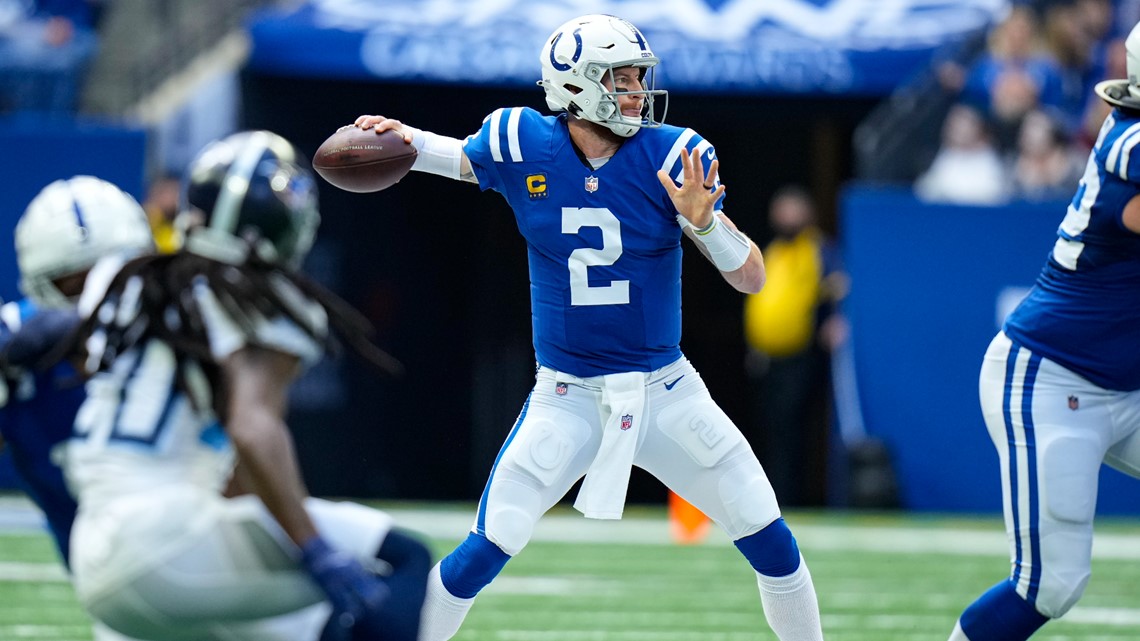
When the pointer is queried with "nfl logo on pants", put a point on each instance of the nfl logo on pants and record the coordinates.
(626, 421)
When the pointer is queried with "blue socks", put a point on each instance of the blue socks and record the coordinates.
(1001, 615)
(471, 566)
(771, 551)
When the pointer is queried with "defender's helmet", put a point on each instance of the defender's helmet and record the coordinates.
(250, 188)
(586, 50)
(1125, 92)
(68, 227)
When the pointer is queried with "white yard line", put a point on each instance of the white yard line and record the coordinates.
(18, 515)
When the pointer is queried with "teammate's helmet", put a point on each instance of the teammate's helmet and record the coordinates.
(68, 227)
(1125, 92)
(586, 50)
(250, 188)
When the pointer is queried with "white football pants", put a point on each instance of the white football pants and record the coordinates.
(1053, 429)
(684, 439)
(231, 575)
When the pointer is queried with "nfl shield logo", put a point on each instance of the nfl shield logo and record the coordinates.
(591, 184)
(560, 389)
(626, 421)
(1074, 402)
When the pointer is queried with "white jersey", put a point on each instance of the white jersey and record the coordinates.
(137, 431)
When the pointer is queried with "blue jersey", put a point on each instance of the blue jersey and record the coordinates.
(1084, 310)
(604, 245)
(38, 416)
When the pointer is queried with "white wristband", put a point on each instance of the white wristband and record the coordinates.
(436, 154)
(728, 249)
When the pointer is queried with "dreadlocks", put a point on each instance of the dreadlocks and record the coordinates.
(153, 297)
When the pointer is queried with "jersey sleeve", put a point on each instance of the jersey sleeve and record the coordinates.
(508, 136)
(685, 142)
(1118, 159)
(279, 333)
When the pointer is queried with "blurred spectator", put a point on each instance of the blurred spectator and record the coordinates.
(161, 205)
(1115, 67)
(790, 327)
(46, 47)
(1074, 33)
(1046, 166)
(1014, 76)
(967, 168)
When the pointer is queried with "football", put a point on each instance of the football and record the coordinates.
(362, 161)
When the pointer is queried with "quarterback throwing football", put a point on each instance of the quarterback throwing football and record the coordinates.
(602, 193)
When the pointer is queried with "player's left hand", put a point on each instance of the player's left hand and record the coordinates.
(698, 192)
(352, 590)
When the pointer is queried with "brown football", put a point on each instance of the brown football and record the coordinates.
(361, 161)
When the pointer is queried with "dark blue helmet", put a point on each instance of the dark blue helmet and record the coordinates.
(256, 187)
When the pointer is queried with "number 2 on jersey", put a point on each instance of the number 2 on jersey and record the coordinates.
(581, 259)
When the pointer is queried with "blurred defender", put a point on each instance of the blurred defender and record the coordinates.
(602, 194)
(191, 355)
(65, 229)
(1060, 385)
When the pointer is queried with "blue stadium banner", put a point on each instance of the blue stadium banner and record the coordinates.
(800, 47)
(930, 286)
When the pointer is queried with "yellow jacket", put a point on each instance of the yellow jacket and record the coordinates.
(781, 319)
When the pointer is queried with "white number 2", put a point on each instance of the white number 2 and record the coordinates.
(581, 293)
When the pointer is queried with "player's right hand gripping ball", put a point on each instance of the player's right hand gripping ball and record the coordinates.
(362, 161)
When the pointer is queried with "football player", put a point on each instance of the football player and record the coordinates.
(602, 193)
(1060, 384)
(64, 230)
(191, 355)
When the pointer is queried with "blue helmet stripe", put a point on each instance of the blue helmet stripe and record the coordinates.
(78, 214)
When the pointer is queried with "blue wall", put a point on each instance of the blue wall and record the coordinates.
(35, 151)
(929, 286)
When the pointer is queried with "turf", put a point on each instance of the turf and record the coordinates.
(879, 578)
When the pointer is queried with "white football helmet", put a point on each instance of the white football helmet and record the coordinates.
(68, 227)
(1125, 92)
(586, 50)
(1132, 61)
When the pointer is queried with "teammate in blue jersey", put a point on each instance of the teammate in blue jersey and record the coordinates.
(65, 229)
(191, 356)
(1060, 384)
(602, 193)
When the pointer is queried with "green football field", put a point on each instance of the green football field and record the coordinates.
(879, 578)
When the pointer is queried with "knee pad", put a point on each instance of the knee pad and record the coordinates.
(511, 511)
(1060, 591)
(749, 501)
(471, 566)
(771, 551)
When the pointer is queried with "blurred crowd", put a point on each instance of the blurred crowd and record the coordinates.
(46, 49)
(1024, 115)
